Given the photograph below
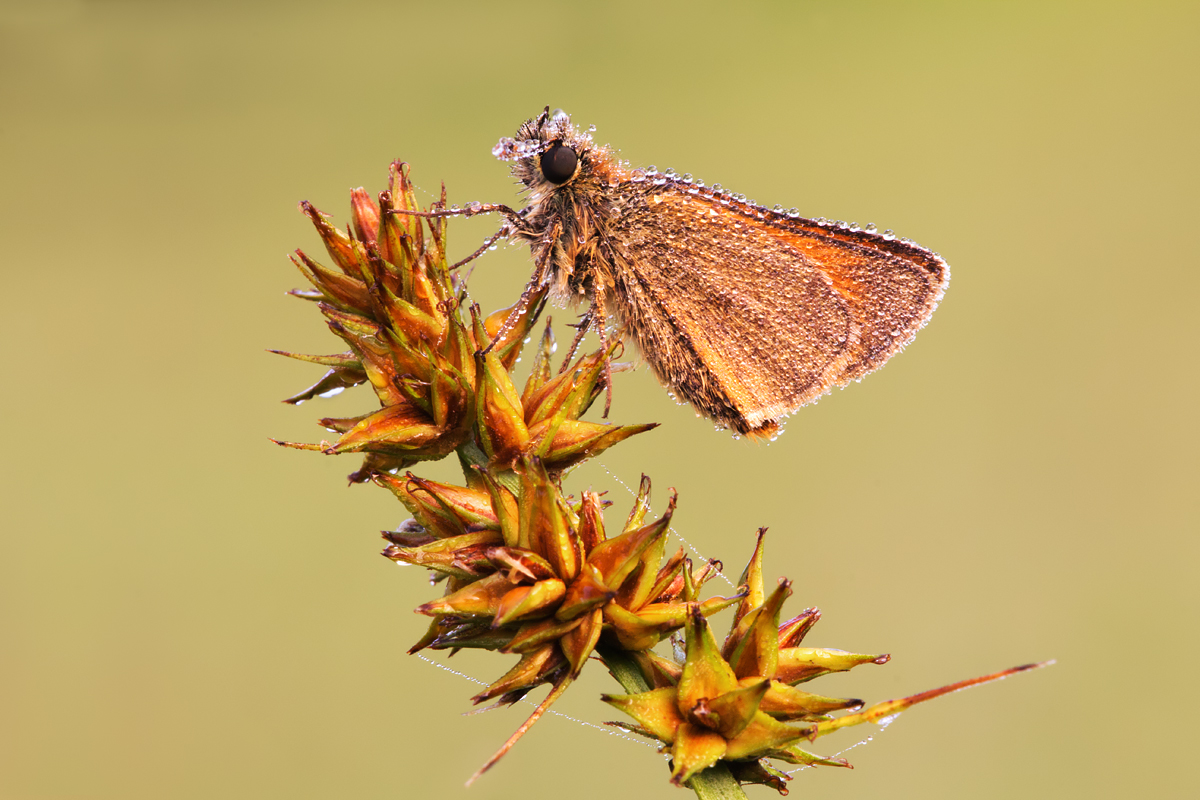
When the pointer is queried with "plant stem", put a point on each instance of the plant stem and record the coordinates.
(624, 669)
(471, 455)
(714, 783)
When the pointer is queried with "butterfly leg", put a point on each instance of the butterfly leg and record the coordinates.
(513, 222)
(581, 328)
(602, 330)
(471, 210)
(534, 284)
(505, 229)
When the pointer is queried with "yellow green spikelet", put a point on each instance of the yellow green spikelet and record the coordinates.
(391, 298)
(524, 568)
(737, 703)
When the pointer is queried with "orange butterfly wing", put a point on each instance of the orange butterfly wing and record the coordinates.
(751, 313)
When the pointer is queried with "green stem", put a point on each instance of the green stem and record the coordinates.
(717, 783)
(714, 783)
(624, 669)
(470, 454)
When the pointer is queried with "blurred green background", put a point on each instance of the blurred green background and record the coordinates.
(188, 611)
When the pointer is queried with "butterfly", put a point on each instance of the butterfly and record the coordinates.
(746, 312)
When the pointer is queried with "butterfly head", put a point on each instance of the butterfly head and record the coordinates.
(548, 152)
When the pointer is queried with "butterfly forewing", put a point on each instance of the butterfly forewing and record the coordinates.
(753, 318)
(891, 286)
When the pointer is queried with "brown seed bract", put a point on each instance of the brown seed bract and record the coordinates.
(746, 312)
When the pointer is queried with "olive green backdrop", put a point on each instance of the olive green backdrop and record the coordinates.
(188, 611)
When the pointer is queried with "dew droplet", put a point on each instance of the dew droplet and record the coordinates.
(637, 176)
(870, 227)
(778, 209)
(889, 234)
(794, 213)
(505, 149)
(651, 170)
(717, 187)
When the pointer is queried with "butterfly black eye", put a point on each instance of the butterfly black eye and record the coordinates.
(558, 163)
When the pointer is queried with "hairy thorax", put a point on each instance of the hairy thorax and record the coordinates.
(575, 224)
